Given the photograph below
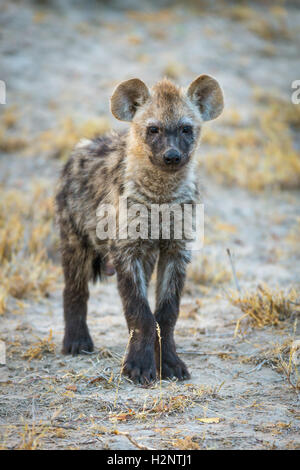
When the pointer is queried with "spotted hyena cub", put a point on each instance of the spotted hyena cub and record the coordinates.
(152, 164)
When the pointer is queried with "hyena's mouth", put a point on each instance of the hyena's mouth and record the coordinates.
(170, 164)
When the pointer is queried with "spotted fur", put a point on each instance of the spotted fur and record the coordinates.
(133, 165)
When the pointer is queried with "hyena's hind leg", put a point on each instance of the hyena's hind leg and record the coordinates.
(170, 281)
(77, 267)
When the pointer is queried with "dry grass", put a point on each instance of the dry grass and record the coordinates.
(26, 241)
(10, 141)
(10, 117)
(58, 143)
(163, 15)
(266, 21)
(264, 307)
(175, 401)
(288, 112)
(286, 358)
(172, 401)
(283, 357)
(41, 347)
(206, 270)
(169, 404)
(293, 236)
(288, 362)
(190, 310)
(30, 436)
(271, 25)
(218, 230)
(261, 155)
(186, 443)
(173, 70)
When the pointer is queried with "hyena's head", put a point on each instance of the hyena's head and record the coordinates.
(166, 120)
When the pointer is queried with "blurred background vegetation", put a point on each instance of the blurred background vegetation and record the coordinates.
(61, 61)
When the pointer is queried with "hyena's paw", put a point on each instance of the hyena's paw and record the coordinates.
(172, 367)
(140, 366)
(77, 342)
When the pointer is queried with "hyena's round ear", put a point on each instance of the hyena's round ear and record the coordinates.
(127, 97)
(205, 92)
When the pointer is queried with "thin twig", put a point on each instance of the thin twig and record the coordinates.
(213, 353)
(133, 441)
(38, 425)
(256, 368)
(233, 270)
(160, 360)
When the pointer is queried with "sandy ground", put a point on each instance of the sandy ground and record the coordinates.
(66, 61)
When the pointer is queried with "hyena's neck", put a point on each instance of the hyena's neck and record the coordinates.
(150, 184)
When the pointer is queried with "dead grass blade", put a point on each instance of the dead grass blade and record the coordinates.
(264, 307)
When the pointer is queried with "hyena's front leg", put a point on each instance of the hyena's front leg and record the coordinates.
(132, 283)
(76, 267)
(170, 281)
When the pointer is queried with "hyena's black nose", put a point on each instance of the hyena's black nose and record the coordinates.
(172, 157)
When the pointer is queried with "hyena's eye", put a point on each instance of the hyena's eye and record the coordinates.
(153, 130)
(187, 129)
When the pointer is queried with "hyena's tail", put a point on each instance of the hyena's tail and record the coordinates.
(97, 268)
